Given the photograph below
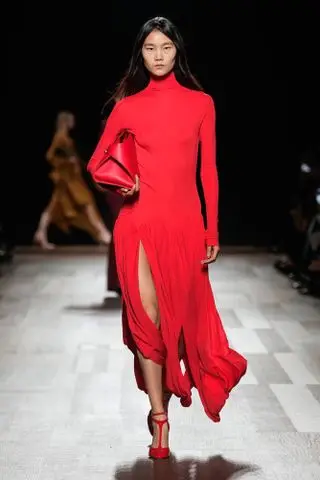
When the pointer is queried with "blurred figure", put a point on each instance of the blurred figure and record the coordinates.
(115, 203)
(301, 232)
(72, 203)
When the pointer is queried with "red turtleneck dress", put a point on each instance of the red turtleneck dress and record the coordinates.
(168, 122)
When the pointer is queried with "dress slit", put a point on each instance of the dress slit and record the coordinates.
(139, 332)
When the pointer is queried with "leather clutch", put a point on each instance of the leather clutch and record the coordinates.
(118, 167)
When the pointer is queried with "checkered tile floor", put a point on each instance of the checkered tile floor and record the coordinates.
(69, 407)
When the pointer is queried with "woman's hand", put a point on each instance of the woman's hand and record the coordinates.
(128, 193)
(212, 253)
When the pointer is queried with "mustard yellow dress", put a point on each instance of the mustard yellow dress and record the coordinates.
(71, 194)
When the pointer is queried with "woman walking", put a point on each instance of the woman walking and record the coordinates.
(162, 248)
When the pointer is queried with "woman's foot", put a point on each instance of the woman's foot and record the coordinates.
(104, 237)
(41, 239)
(160, 443)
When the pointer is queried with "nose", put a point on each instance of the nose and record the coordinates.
(158, 54)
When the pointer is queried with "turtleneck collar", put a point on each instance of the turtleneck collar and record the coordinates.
(163, 83)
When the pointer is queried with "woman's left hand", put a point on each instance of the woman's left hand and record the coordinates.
(212, 253)
(128, 193)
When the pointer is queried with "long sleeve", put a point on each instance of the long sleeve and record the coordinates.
(112, 127)
(209, 174)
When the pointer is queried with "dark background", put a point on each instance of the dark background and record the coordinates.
(258, 59)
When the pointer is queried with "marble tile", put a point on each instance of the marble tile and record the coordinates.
(267, 369)
(229, 318)
(300, 405)
(266, 412)
(252, 318)
(302, 311)
(315, 390)
(245, 341)
(273, 341)
(313, 327)
(296, 370)
(292, 332)
(309, 355)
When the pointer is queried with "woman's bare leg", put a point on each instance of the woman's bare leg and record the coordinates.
(41, 234)
(103, 233)
(152, 372)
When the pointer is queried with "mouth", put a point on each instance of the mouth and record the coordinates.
(159, 66)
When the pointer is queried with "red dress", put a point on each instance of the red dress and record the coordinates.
(168, 122)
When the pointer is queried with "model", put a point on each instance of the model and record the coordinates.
(72, 204)
(162, 248)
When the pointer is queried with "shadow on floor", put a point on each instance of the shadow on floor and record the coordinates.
(109, 303)
(215, 468)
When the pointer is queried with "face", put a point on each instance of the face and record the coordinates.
(159, 53)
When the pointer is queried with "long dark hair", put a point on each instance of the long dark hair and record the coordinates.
(137, 77)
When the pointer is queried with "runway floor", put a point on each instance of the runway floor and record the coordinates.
(69, 406)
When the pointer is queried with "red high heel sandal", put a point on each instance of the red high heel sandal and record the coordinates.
(150, 425)
(167, 397)
(159, 452)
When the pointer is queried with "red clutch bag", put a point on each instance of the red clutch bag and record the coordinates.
(119, 165)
